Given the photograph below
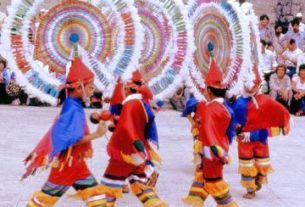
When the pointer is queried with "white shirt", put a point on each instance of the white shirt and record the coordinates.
(2, 16)
(132, 97)
(298, 37)
(268, 61)
(278, 43)
(292, 56)
(298, 84)
(301, 60)
(302, 27)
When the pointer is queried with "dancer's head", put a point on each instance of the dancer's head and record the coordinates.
(302, 71)
(280, 71)
(2, 64)
(295, 23)
(292, 45)
(80, 80)
(264, 20)
(214, 82)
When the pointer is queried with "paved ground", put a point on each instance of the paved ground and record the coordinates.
(21, 127)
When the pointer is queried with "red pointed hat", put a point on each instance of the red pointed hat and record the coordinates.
(79, 73)
(118, 95)
(214, 76)
(136, 76)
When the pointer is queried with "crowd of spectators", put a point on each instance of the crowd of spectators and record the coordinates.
(283, 62)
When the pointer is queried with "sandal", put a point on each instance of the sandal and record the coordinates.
(249, 195)
(299, 113)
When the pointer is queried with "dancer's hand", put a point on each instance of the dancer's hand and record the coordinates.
(101, 129)
(245, 137)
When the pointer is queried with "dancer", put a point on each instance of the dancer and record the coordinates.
(216, 131)
(253, 149)
(129, 150)
(66, 146)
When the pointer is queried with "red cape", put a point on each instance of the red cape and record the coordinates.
(269, 113)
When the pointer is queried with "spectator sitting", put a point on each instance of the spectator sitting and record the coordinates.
(278, 42)
(96, 100)
(290, 56)
(298, 86)
(302, 25)
(296, 34)
(4, 80)
(178, 100)
(280, 86)
(268, 60)
(265, 31)
(301, 59)
(13, 90)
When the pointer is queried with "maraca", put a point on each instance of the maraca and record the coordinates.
(105, 115)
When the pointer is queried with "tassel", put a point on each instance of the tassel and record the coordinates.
(197, 147)
(231, 204)
(216, 189)
(41, 199)
(127, 158)
(97, 190)
(263, 166)
(274, 131)
(193, 201)
(248, 171)
(195, 132)
(93, 196)
(155, 157)
(264, 169)
(248, 184)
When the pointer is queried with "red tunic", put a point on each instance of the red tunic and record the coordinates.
(215, 120)
(130, 128)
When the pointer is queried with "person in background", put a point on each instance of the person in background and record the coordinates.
(290, 55)
(268, 61)
(96, 101)
(295, 34)
(301, 59)
(278, 42)
(299, 16)
(265, 31)
(178, 100)
(4, 79)
(298, 86)
(280, 86)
